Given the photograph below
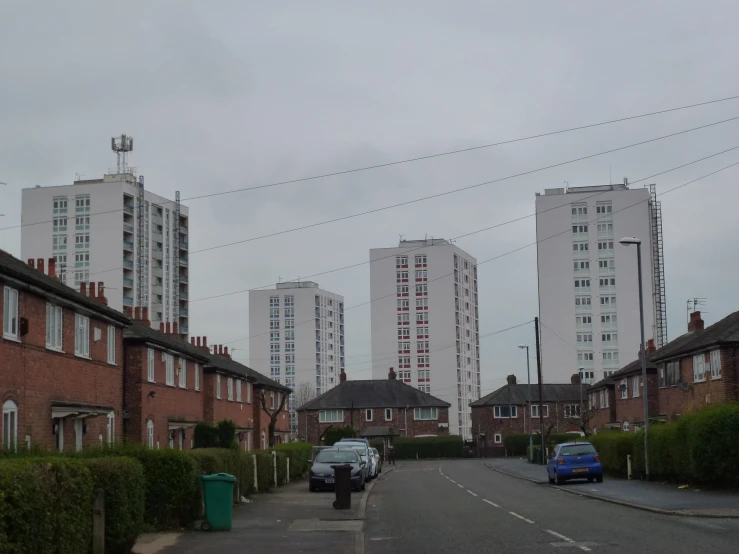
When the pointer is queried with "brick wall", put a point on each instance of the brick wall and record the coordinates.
(357, 418)
(33, 376)
(602, 415)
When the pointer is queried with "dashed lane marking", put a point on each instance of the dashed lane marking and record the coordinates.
(491, 503)
(452, 480)
(520, 517)
(568, 540)
(472, 493)
(460, 486)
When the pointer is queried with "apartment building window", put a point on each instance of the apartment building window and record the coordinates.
(425, 413)
(82, 336)
(274, 301)
(535, 410)
(579, 229)
(388, 414)
(500, 412)
(289, 324)
(603, 209)
(289, 300)
(169, 365)
(401, 275)
(59, 224)
(608, 301)
(60, 205)
(584, 356)
(423, 360)
(274, 347)
(289, 347)
(609, 338)
(605, 245)
(274, 336)
(274, 324)
(580, 247)
(623, 387)
(82, 203)
(715, 364)
(82, 259)
(230, 388)
(422, 288)
(607, 283)
(403, 303)
(290, 358)
(699, 368)
(581, 265)
(424, 388)
(289, 312)
(54, 324)
(402, 289)
(585, 321)
(669, 374)
(420, 260)
(59, 242)
(183, 373)
(584, 337)
(422, 345)
(422, 317)
(405, 375)
(582, 301)
(401, 260)
(405, 361)
(579, 210)
(607, 266)
(402, 346)
(582, 283)
(111, 344)
(197, 376)
(238, 390)
(82, 223)
(572, 411)
(274, 313)
(424, 374)
(404, 317)
(610, 358)
(331, 416)
(218, 386)
(608, 319)
(422, 302)
(150, 368)
(421, 274)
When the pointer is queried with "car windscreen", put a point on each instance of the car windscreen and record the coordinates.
(576, 450)
(337, 457)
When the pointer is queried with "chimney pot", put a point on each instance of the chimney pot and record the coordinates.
(101, 293)
(575, 379)
(144, 313)
(198, 341)
(205, 343)
(225, 351)
(137, 313)
(168, 328)
(92, 293)
(696, 323)
(391, 374)
(175, 328)
(32, 263)
(128, 310)
(192, 341)
(40, 265)
(52, 268)
(511, 379)
(342, 375)
(83, 288)
(161, 327)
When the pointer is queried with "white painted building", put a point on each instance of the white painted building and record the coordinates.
(297, 336)
(93, 230)
(588, 286)
(425, 322)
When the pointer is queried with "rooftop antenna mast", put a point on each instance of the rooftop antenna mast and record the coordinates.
(694, 304)
(122, 146)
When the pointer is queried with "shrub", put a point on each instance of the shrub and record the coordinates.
(226, 433)
(300, 457)
(47, 503)
(281, 468)
(613, 448)
(335, 434)
(123, 481)
(428, 447)
(205, 436)
(265, 470)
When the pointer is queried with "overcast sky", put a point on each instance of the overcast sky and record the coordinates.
(223, 95)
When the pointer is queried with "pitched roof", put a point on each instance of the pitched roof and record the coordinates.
(232, 366)
(723, 331)
(378, 393)
(628, 369)
(519, 394)
(13, 267)
(140, 332)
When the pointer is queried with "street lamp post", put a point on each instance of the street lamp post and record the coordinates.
(528, 373)
(628, 241)
(582, 376)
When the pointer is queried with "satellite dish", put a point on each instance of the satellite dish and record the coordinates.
(622, 388)
(683, 385)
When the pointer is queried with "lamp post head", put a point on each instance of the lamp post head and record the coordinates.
(627, 241)
(523, 346)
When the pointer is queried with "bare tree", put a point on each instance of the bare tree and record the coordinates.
(304, 394)
(273, 410)
(583, 419)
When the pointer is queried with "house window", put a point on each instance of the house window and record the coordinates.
(218, 386)
(715, 364)
(150, 375)
(183, 373)
(388, 414)
(238, 389)
(230, 388)
(625, 426)
(54, 321)
(535, 410)
(423, 414)
(150, 434)
(111, 428)
(82, 335)
(498, 438)
(502, 411)
(197, 376)
(368, 415)
(699, 368)
(572, 410)
(169, 364)
(624, 388)
(10, 313)
(331, 416)
(271, 400)
(635, 386)
(111, 344)
(601, 399)
(248, 393)
(10, 425)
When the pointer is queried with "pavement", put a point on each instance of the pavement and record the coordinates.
(651, 496)
(463, 506)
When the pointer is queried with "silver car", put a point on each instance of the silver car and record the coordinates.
(378, 462)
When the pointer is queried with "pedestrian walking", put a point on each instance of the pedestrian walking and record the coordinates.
(391, 455)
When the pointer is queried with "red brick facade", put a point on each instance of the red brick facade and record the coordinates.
(60, 399)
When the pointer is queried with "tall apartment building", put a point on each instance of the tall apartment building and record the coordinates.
(588, 286)
(113, 230)
(297, 337)
(425, 322)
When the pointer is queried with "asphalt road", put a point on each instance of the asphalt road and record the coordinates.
(463, 506)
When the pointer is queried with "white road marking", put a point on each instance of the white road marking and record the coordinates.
(452, 480)
(472, 493)
(460, 486)
(491, 503)
(520, 517)
(558, 535)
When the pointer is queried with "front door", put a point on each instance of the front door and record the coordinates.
(79, 430)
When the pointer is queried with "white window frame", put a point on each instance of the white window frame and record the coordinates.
(169, 364)
(183, 373)
(230, 388)
(272, 400)
(572, 411)
(111, 428)
(54, 327)
(197, 376)
(368, 414)
(535, 411)
(218, 386)
(625, 391)
(635, 389)
(81, 336)
(420, 413)
(497, 410)
(699, 368)
(388, 414)
(715, 364)
(331, 416)
(10, 313)
(10, 425)
(497, 438)
(111, 344)
(248, 392)
(150, 433)
(238, 388)
(150, 367)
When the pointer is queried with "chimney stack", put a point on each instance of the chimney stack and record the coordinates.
(391, 374)
(144, 313)
(225, 352)
(103, 300)
(137, 313)
(52, 268)
(696, 323)
(91, 291)
(198, 341)
(83, 288)
(650, 347)
(161, 327)
(40, 265)
(32, 263)
(192, 341)
(205, 344)
(168, 328)
(342, 375)
(575, 379)
(128, 310)
(511, 379)
(175, 328)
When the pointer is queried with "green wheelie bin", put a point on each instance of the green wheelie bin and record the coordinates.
(218, 497)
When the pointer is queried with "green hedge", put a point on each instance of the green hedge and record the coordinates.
(265, 470)
(123, 481)
(428, 447)
(335, 434)
(46, 503)
(613, 448)
(517, 444)
(300, 457)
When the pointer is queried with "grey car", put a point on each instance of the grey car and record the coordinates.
(321, 474)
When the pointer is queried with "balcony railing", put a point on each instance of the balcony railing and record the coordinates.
(128, 263)
(581, 254)
(128, 245)
(183, 295)
(183, 312)
(183, 262)
(127, 282)
(128, 228)
(183, 328)
(580, 236)
(128, 209)
(127, 301)
(583, 309)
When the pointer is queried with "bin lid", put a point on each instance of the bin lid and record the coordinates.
(218, 477)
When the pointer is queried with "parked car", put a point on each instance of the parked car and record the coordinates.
(378, 461)
(363, 449)
(321, 474)
(574, 460)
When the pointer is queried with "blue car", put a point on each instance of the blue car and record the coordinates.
(574, 460)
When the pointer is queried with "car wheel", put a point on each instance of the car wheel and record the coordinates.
(551, 479)
(557, 479)
(599, 479)
(590, 479)
(311, 488)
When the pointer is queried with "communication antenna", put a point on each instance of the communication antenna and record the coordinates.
(122, 146)
(3, 184)
(694, 304)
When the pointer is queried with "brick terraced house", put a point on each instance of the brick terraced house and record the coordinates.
(504, 412)
(61, 360)
(380, 408)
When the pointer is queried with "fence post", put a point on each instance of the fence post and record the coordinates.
(274, 458)
(628, 466)
(288, 470)
(256, 487)
(98, 522)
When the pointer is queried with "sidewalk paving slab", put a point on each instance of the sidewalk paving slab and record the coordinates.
(652, 496)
